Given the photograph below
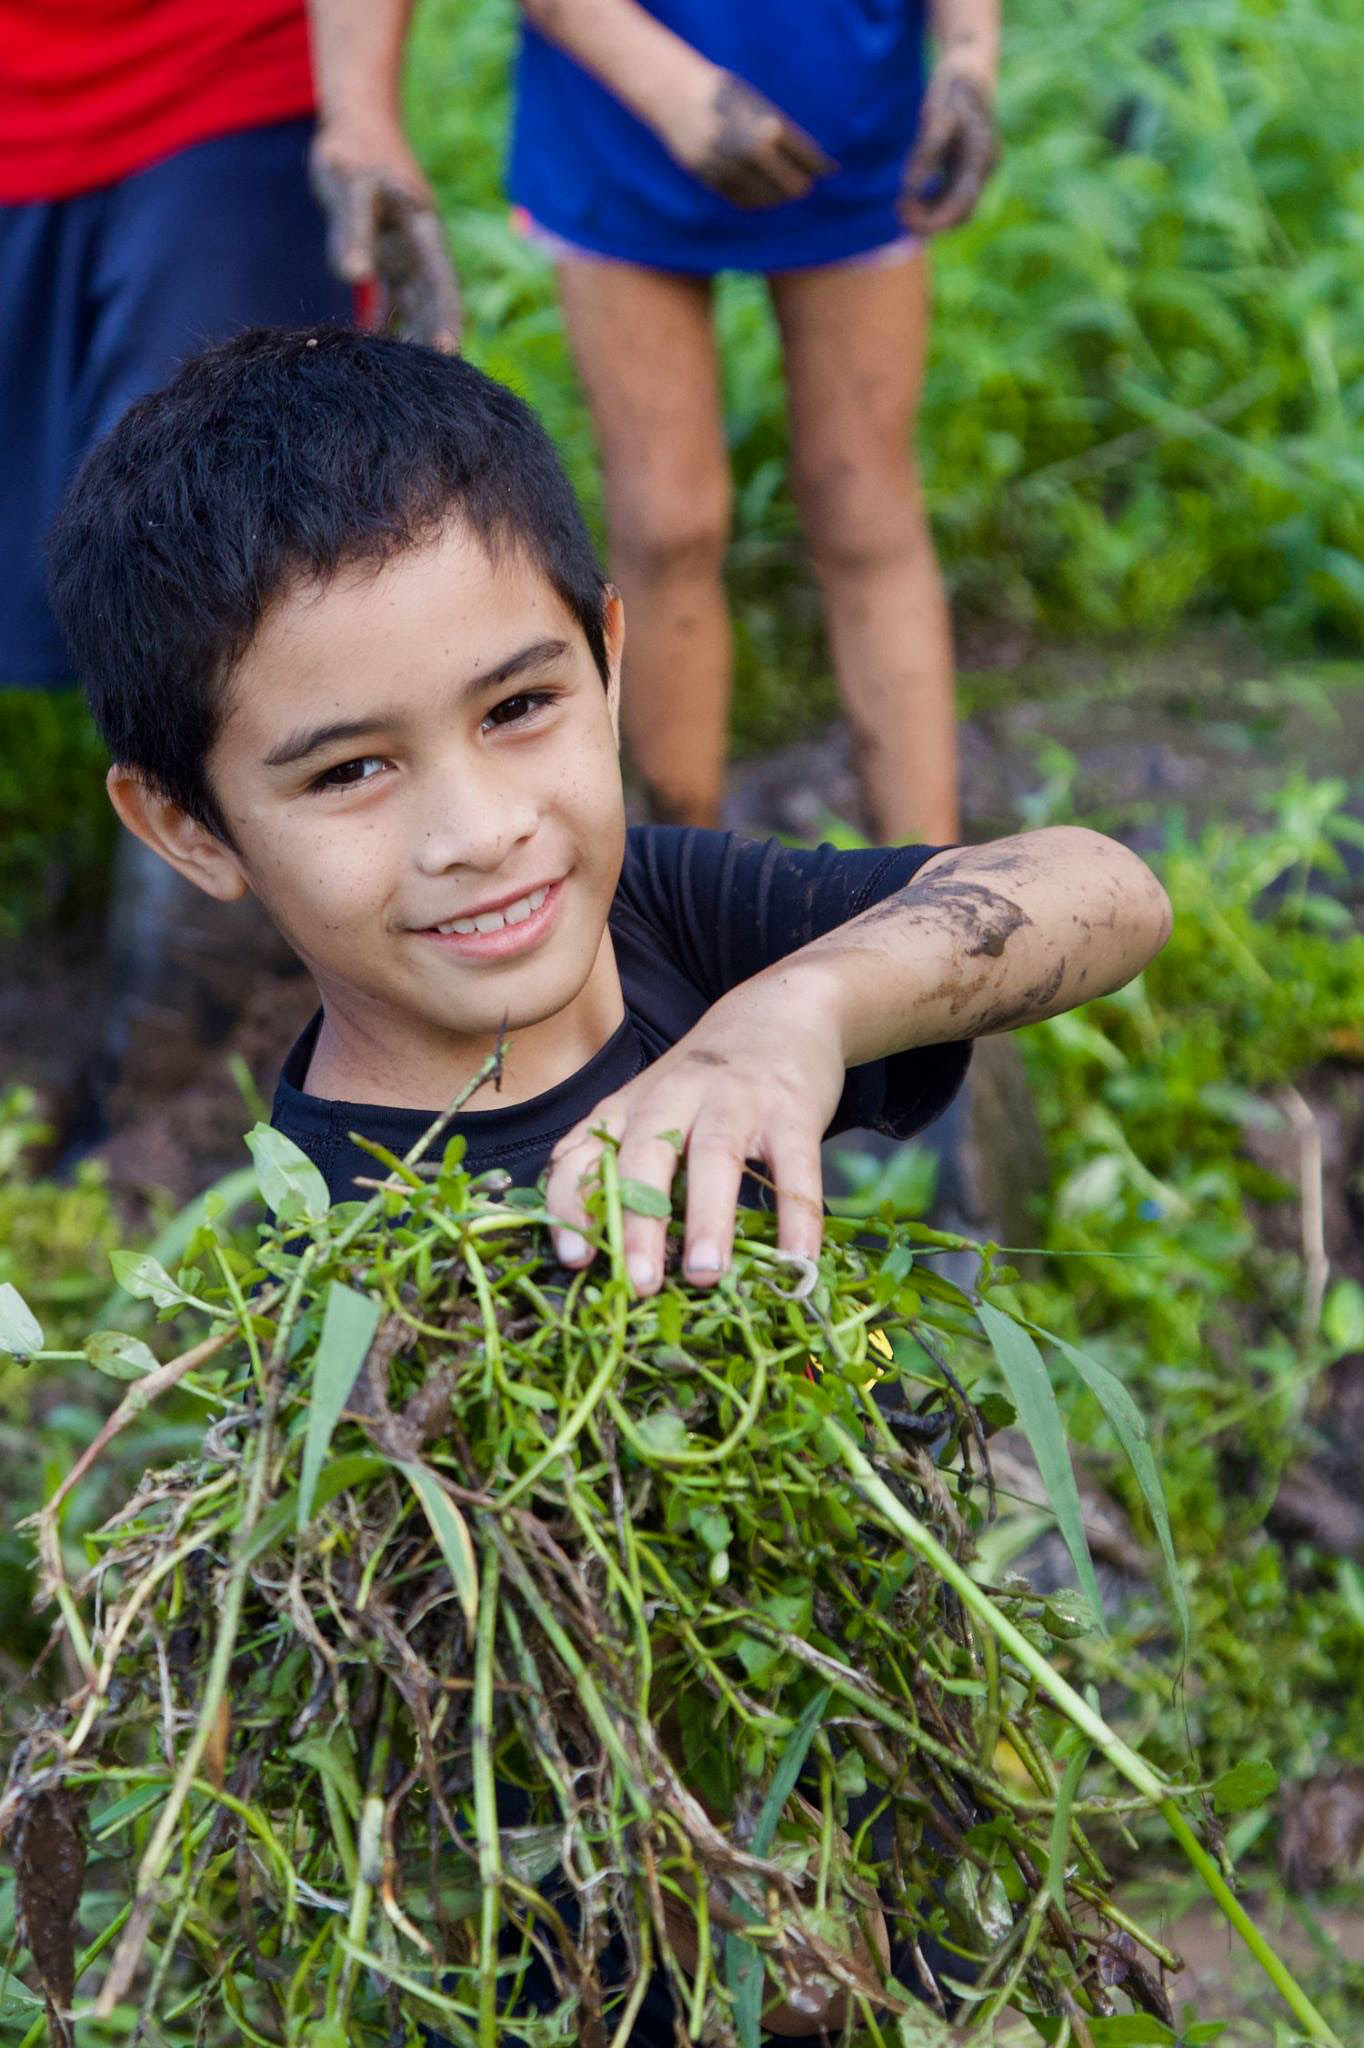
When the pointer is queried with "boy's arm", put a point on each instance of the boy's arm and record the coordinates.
(981, 940)
(956, 148)
(382, 219)
(717, 126)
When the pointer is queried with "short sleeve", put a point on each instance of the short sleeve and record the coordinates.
(728, 907)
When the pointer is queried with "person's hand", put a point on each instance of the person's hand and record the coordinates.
(956, 150)
(382, 225)
(758, 1078)
(735, 140)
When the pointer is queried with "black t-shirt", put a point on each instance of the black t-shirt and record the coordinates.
(695, 913)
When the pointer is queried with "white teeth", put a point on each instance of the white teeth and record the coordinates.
(493, 920)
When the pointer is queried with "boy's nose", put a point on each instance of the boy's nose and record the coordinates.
(475, 822)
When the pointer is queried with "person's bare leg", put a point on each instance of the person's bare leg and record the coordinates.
(855, 342)
(645, 351)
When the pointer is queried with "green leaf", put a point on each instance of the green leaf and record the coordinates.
(19, 2003)
(1342, 1318)
(1247, 1784)
(138, 1273)
(664, 1433)
(355, 1470)
(643, 1199)
(450, 1530)
(712, 1525)
(1059, 1840)
(111, 1818)
(743, 1964)
(1020, 1361)
(531, 1397)
(332, 1758)
(289, 1182)
(20, 1331)
(120, 1356)
(669, 1310)
(1205, 2031)
(348, 1325)
(1129, 1426)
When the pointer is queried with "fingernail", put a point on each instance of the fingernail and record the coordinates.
(572, 1248)
(703, 1258)
(643, 1272)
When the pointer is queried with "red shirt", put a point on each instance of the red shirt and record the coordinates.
(91, 90)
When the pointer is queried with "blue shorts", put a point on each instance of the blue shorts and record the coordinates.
(104, 294)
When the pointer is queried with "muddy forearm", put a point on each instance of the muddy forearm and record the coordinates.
(982, 940)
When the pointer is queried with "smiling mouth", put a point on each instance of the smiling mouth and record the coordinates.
(496, 920)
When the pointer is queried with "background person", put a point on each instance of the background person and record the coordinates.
(154, 196)
(653, 148)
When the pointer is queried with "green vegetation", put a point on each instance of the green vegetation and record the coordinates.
(591, 1506)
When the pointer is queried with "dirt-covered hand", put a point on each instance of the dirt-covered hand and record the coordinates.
(754, 1080)
(735, 140)
(383, 226)
(956, 150)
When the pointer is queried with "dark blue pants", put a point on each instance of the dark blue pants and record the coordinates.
(103, 294)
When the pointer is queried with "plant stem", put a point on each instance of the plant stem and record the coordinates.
(1077, 1710)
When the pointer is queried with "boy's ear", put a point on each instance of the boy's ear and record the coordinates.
(613, 629)
(189, 847)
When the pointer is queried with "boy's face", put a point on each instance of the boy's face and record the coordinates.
(407, 750)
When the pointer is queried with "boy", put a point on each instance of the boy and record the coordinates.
(344, 634)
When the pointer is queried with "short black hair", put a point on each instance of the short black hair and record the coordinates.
(284, 454)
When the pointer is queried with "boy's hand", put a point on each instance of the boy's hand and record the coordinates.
(732, 137)
(956, 151)
(382, 225)
(755, 1079)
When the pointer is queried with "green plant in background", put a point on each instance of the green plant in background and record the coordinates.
(1152, 1100)
(56, 1240)
(56, 826)
(462, 1521)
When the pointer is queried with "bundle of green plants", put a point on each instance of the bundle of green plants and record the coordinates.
(509, 1640)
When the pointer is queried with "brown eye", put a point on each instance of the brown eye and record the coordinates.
(512, 710)
(347, 774)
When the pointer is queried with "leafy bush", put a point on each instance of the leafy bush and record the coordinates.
(1148, 1098)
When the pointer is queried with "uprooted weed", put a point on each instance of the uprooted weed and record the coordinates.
(514, 1651)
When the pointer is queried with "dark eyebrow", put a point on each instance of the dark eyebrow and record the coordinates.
(311, 739)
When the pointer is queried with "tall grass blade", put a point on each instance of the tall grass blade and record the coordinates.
(450, 1530)
(1030, 1389)
(348, 1325)
(743, 1965)
(1129, 1425)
